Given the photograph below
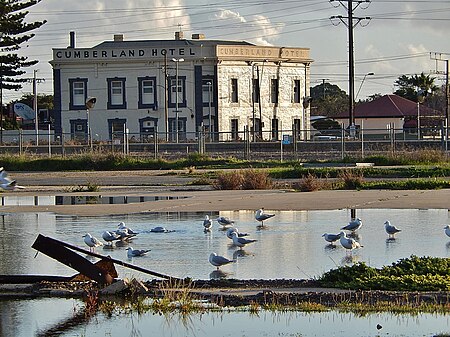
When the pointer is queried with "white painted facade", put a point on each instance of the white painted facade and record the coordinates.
(216, 81)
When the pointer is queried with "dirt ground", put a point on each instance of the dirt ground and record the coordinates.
(202, 198)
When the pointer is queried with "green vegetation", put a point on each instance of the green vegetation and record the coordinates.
(411, 274)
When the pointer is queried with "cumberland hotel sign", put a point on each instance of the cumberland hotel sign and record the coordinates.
(221, 52)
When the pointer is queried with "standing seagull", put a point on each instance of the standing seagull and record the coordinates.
(331, 238)
(6, 182)
(348, 243)
(136, 252)
(207, 223)
(218, 261)
(110, 237)
(232, 230)
(239, 241)
(353, 225)
(225, 222)
(447, 230)
(261, 216)
(390, 229)
(91, 241)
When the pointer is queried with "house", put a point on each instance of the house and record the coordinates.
(392, 112)
(174, 88)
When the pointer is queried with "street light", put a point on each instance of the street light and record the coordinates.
(362, 82)
(176, 95)
(209, 106)
(90, 103)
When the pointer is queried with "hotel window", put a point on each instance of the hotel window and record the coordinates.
(234, 91)
(116, 93)
(147, 93)
(296, 97)
(207, 92)
(234, 129)
(274, 90)
(275, 129)
(78, 93)
(255, 90)
(177, 92)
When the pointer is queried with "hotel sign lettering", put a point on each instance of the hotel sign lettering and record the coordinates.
(246, 52)
(111, 54)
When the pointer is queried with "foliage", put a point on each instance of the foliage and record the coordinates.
(311, 183)
(416, 87)
(411, 274)
(15, 32)
(44, 101)
(328, 100)
(352, 179)
(250, 179)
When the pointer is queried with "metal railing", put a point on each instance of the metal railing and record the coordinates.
(281, 145)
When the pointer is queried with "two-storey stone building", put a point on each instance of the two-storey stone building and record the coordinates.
(174, 87)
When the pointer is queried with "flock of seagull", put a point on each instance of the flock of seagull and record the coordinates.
(122, 234)
(239, 239)
(349, 242)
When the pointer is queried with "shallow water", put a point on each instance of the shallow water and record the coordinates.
(57, 317)
(290, 246)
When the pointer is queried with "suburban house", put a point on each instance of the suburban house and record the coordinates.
(392, 112)
(174, 88)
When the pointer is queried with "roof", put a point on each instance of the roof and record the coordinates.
(169, 43)
(389, 106)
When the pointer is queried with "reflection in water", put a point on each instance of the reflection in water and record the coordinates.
(349, 259)
(218, 274)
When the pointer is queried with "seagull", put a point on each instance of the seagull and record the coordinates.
(348, 243)
(353, 225)
(122, 226)
(218, 261)
(447, 230)
(235, 230)
(261, 216)
(207, 223)
(331, 238)
(240, 242)
(160, 229)
(136, 252)
(225, 222)
(109, 237)
(91, 241)
(390, 229)
(6, 182)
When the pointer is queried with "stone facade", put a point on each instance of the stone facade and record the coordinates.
(135, 91)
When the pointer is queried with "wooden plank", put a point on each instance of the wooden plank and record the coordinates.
(57, 251)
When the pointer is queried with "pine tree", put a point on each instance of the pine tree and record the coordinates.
(14, 31)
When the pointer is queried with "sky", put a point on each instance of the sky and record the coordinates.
(391, 37)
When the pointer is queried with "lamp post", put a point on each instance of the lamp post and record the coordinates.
(90, 103)
(176, 96)
(209, 106)
(362, 82)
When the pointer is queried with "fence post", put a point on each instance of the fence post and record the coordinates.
(155, 142)
(342, 142)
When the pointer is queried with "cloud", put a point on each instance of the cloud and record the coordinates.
(253, 28)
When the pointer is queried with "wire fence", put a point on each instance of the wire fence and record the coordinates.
(280, 145)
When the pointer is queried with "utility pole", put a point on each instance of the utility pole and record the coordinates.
(323, 86)
(439, 57)
(35, 81)
(351, 21)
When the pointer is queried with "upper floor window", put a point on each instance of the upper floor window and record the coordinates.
(177, 92)
(296, 97)
(147, 92)
(234, 91)
(274, 90)
(78, 93)
(116, 93)
(207, 92)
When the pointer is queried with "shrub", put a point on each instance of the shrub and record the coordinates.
(351, 178)
(257, 180)
(229, 181)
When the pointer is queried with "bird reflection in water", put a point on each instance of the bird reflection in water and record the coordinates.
(218, 275)
(240, 253)
(349, 259)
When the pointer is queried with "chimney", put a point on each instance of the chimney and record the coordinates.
(198, 36)
(179, 36)
(72, 40)
(118, 37)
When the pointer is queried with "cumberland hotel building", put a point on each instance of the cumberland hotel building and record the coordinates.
(174, 87)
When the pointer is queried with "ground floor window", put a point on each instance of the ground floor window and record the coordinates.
(234, 129)
(275, 129)
(78, 129)
(180, 131)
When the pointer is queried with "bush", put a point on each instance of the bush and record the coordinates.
(229, 181)
(352, 179)
(311, 183)
(257, 180)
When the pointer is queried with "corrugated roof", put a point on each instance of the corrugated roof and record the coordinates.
(389, 106)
